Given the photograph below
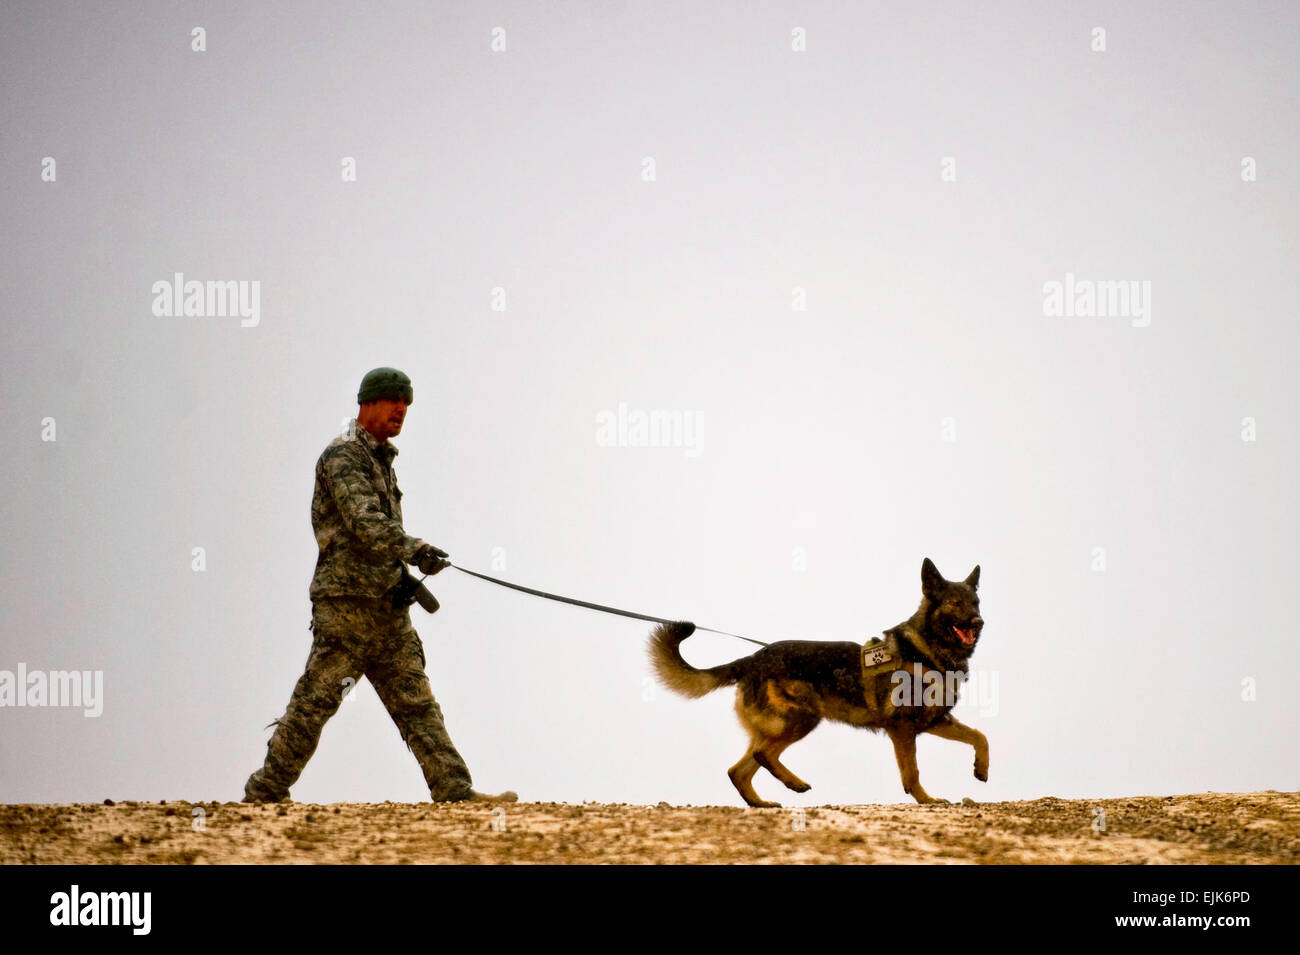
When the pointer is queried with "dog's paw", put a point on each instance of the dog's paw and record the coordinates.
(765, 804)
(802, 787)
(982, 772)
(927, 800)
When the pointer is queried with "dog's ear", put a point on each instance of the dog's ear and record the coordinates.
(973, 581)
(931, 580)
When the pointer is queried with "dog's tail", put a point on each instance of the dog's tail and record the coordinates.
(678, 675)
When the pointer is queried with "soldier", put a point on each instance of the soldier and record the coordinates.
(360, 594)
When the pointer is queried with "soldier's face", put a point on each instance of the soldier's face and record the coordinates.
(383, 417)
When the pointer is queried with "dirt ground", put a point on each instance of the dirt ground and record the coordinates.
(1223, 828)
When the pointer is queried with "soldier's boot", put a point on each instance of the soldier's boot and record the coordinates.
(257, 789)
(507, 796)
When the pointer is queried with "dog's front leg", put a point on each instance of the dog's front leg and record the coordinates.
(905, 752)
(950, 728)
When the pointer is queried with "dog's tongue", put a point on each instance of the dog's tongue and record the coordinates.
(965, 636)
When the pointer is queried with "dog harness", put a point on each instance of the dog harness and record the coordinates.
(881, 657)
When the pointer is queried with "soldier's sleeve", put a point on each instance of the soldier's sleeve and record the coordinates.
(358, 503)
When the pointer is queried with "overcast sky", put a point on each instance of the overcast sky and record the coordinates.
(821, 238)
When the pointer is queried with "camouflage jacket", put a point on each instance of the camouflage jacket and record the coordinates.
(356, 513)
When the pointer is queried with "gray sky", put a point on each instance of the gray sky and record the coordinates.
(922, 402)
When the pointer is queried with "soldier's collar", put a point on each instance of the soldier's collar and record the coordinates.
(384, 451)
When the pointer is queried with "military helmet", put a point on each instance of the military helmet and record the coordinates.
(385, 383)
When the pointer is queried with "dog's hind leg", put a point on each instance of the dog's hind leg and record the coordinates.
(904, 740)
(742, 777)
(762, 729)
(950, 728)
(768, 755)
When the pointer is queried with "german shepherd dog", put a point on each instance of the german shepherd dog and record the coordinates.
(784, 690)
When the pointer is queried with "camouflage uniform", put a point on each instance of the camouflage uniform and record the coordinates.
(357, 516)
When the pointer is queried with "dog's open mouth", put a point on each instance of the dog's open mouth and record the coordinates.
(967, 636)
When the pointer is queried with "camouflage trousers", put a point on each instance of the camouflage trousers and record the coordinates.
(356, 637)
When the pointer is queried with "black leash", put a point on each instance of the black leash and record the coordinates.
(591, 606)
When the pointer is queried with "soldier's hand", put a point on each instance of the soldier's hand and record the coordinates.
(431, 559)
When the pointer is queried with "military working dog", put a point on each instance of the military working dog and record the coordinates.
(904, 684)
